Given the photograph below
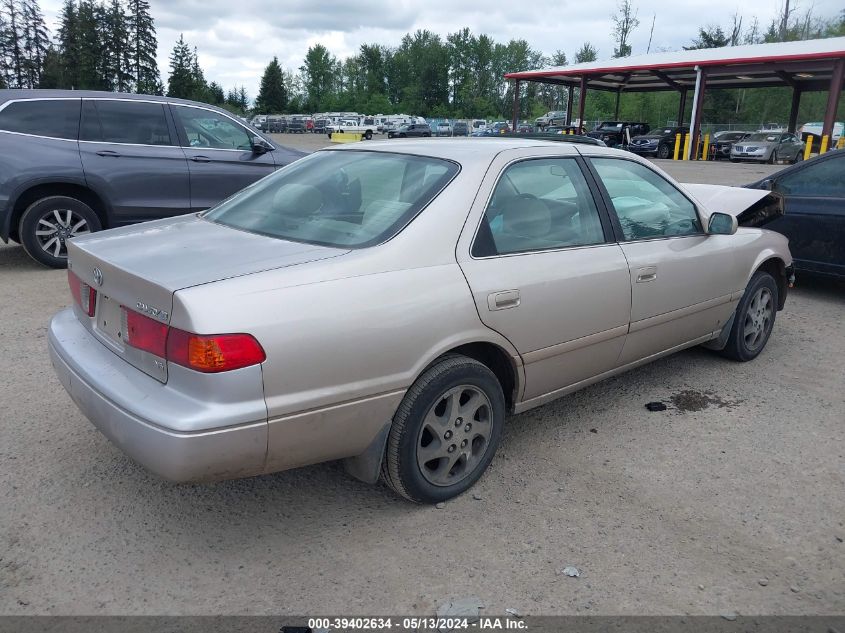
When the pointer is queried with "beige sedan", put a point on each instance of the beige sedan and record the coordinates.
(390, 304)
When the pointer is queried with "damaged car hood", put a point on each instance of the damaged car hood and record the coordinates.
(751, 207)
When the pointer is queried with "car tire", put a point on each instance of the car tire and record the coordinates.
(772, 158)
(754, 318)
(734, 160)
(457, 403)
(663, 151)
(368, 135)
(66, 217)
(799, 156)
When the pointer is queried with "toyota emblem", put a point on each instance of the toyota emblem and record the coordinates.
(98, 276)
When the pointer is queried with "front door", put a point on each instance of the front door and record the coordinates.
(545, 275)
(131, 157)
(221, 160)
(681, 278)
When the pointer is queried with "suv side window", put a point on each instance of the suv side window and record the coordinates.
(127, 122)
(646, 204)
(205, 128)
(56, 118)
(539, 204)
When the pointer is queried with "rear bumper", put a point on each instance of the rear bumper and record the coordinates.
(89, 371)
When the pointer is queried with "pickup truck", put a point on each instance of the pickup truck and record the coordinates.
(351, 125)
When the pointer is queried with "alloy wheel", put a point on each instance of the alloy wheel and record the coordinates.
(454, 436)
(57, 226)
(758, 319)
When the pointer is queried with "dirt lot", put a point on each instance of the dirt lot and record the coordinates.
(729, 501)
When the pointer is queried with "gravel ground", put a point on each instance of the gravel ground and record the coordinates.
(731, 500)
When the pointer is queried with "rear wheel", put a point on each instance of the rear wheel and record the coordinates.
(368, 135)
(755, 318)
(445, 432)
(48, 223)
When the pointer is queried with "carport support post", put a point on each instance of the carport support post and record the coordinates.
(697, 106)
(793, 110)
(833, 98)
(569, 99)
(582, 101)
(616, 111)
(515, 104)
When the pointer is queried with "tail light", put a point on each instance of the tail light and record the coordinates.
(209, 353)
(84, 295)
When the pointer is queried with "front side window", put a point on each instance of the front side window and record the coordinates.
(349, 199)
(129, 122)
(539, 204)
(646, 204)
(205, 128)
(56, 118)
(820, 179)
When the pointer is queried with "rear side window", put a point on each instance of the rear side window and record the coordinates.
(54, 118)
(129, 122)
(539, 204)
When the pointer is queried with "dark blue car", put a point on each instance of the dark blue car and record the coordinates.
(814, 218)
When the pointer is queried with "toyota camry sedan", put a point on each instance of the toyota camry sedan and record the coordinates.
(391, 305)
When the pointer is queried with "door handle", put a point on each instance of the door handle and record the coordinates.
(108, 152)
(201, 159)
(646, 274)
(503, 300)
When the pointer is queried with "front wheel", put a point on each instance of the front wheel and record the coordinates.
(47, 225)
(445, 432)
(368, 135)
(798, 157)
(663, 151)
(754, 319)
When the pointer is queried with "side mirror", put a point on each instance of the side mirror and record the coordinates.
(260, 146)
(722, 224)
(768, 183)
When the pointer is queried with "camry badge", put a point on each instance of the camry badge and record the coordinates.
(98, 276)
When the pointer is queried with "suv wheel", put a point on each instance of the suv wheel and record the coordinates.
(445, 432)
(47, 225)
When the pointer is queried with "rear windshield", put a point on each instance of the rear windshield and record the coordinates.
(350, 199)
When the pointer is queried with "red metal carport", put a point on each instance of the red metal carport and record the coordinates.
(810, 65)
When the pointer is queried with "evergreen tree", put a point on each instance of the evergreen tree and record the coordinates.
(51, 73)
(215, 93)
(200, 90)
(243, 99)
(36, 41)
(116, 59)
(272, 96)
(12, 42)
(180, 83)
(89, 32)
(142, 48)
(68, 46)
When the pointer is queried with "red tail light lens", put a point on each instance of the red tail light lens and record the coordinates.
(213, 353)
(206, 353)
(84, 295)
(145, 333)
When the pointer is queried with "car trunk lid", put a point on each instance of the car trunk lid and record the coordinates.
(140, 267)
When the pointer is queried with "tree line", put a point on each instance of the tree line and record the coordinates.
(112, 45)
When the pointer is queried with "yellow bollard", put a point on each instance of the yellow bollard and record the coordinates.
(823, 147)
(677, 145)
(686, 147)
(808, 147)
(840, 144)
(704, 152)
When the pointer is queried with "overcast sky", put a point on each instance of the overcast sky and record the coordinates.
(236, 39)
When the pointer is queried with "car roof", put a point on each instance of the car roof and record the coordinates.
(19, 94)
(457, 149)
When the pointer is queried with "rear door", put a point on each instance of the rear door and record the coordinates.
(131, 156)
(544, 271)
(220, 156)
(682, 280)
(814, 220)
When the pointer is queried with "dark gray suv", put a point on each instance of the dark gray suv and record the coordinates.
(73, 162)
